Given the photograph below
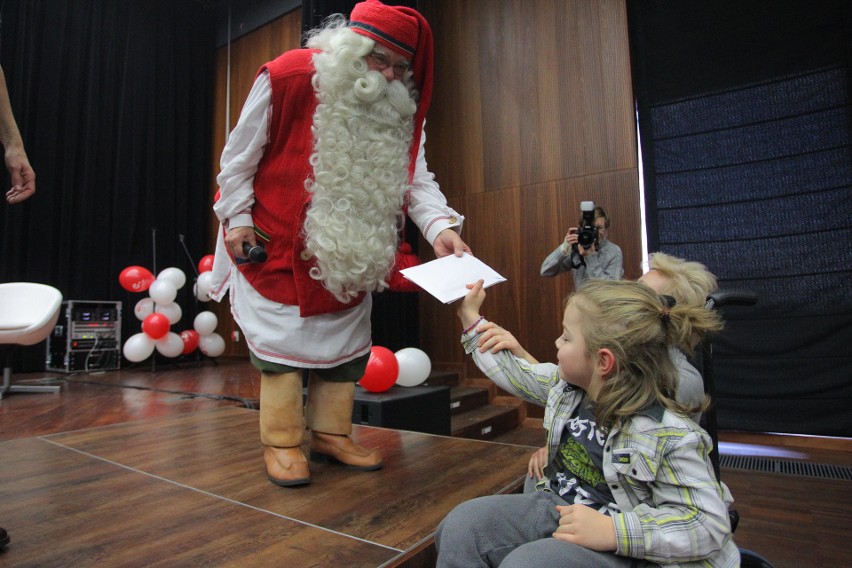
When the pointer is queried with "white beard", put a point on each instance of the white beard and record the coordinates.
(363, 128)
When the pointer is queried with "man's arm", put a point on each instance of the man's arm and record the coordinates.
(20, 171)
(557, 262)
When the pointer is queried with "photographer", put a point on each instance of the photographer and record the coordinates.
(600, 260)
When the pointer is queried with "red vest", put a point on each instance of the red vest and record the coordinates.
(281, 200)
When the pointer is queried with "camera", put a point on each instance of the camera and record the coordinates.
(587, 233)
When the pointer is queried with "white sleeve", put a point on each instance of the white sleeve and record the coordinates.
(427, 206)
(242, 153)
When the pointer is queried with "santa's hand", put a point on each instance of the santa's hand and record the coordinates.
(449, 242)
(584, 526)
(236, 236)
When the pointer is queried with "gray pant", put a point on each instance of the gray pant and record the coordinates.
(513, 531)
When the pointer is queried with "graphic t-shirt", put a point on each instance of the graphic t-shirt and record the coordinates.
(579, 465)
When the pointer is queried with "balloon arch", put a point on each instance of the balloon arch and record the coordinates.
(159, 313)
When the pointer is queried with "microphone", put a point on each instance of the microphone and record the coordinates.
(255, 253)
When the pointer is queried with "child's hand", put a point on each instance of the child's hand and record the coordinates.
(468, 310)
(584, 526)
(496, 339)
(538, 460)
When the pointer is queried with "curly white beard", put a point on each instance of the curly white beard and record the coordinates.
(363, 128)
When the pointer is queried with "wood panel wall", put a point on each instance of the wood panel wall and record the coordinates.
(532, 113)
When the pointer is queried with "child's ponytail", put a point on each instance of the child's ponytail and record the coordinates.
(638, 327)
(684, 323)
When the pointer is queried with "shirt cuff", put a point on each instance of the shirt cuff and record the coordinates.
(240, 220)
(453, 221)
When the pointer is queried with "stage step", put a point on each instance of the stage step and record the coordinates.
(442, 378)
(465, 399)
(476, 410)
(485, 422)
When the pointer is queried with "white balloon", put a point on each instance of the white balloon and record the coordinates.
(202, 286)
(162, 291)
(144, 308)
(211, 344)
(170, 345)
(138, 348)
(201, 297)
(172, 311)
(205, 323)
(173, 275)
(414, 367)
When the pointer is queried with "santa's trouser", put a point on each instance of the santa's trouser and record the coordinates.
(329, 417)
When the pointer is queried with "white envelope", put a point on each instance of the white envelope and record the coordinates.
(447, 277)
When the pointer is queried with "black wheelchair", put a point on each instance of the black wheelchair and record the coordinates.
(716, 300)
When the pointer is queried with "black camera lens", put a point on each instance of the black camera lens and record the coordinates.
(587, 236)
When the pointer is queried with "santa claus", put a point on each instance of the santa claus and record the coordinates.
(324, 163)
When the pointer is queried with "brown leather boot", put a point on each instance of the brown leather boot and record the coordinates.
(340, 448)
(286, 466)
(282, 427)
(329, 416)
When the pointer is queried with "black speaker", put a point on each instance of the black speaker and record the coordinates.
(419, 409)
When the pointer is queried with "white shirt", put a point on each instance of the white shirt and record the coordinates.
(275, 332)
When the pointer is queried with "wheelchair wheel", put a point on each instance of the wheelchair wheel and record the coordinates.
(749, 559)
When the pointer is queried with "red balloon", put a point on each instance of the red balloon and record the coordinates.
(205, 264)
(190, 340)
(382, 370)
(136, 279)
(156, 325)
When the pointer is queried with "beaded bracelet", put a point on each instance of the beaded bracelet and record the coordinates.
(476, 323)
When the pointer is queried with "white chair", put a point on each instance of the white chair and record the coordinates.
(28, 313)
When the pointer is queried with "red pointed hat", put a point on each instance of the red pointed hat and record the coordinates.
(405, 31)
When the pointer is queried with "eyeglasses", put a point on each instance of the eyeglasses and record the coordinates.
(381, 62)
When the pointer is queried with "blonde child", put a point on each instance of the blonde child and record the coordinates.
(628, 481)
(689, 283)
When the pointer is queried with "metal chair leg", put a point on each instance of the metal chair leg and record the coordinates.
(8, 387)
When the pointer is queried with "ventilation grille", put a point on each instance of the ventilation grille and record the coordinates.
(805, 469)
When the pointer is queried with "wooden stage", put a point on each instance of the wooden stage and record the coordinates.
(163, 467)
(191, 490)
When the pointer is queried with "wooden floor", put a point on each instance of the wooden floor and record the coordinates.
(162, 467)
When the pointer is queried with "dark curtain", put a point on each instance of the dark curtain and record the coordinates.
(746, 129)
(395, 314)
(113, 99)
(315, 11)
